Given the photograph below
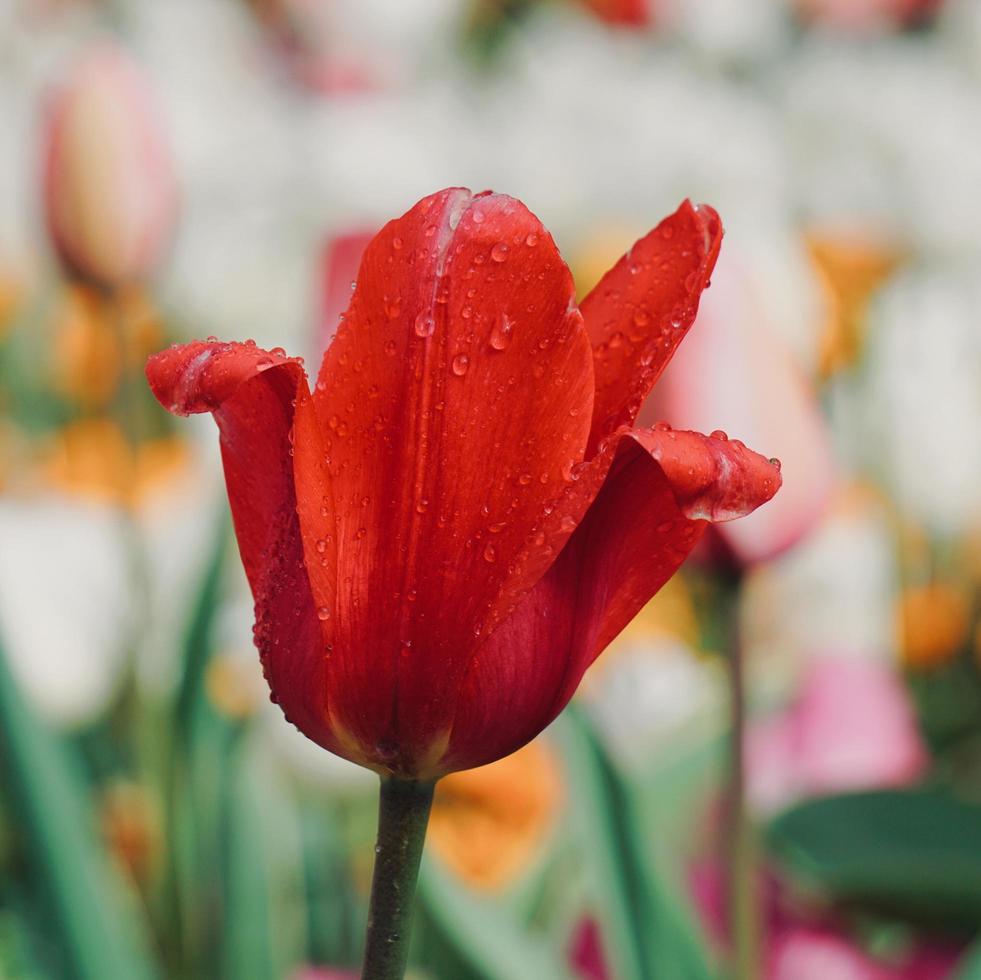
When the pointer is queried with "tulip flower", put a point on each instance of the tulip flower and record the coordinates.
(445, 533)
(623, 13)
(110, 195)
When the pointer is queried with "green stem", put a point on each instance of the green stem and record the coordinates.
(403, 814)
(741, 897)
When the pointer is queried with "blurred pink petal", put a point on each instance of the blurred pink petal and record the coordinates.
(734, 372)
(110, 192)
(852, 727)
(867, 16)
(819, 954)
(855, 727)
(586, 952)
(324, 973)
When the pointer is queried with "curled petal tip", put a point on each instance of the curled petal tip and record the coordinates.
(714, 478)
(197, 377)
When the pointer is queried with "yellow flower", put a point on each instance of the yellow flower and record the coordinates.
(488, 823)
(850, 267)
(933, 624)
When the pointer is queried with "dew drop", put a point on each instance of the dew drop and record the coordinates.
(321, 546)
(568, 523)
(773, 461)
(532, 240)
(641, 318)
(490, 554)
(425, 325)
(390, 348)
(323, 613)
(501, 334)
(460, 364)
(524, 479)
(499, 252)
(719, 434)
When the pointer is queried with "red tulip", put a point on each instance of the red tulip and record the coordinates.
(624, 13)
(460, 517)
(109, 189)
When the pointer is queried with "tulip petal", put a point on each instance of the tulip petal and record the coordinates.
(641, 310)
(251, 393)
(453, 405)
(662, 490)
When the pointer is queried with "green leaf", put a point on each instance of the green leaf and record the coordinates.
(647, 933)
(461, 935)
(912, 853)
(92, 918)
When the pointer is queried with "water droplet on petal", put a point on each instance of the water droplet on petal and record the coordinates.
(773, 461)
(524, 479)
(323, 613)
(425, 325)
(568, 523)
(390, 348)
(718, 434)
(501, 334)
(499, 252)
(532, 240)
(460, 364)
(321, 546)
(490, 553)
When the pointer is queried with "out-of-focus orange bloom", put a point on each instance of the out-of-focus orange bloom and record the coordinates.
(232, 687)
(97, 338)
(93, 458)
(11, 293)
(488, 823)
(130, 826)
(933, 624)
(850, 268)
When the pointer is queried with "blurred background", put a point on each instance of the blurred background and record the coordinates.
(183, 168)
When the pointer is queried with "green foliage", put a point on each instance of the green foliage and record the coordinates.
(915, 854)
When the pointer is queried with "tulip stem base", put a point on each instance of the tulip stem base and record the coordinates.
(403, 816)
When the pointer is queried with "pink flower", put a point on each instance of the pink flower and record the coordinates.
(852, 728)
(807, 953)
(110, 193)
(866, 16)
(734, 372)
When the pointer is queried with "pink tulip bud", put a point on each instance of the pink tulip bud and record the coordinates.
(734, 372)
(110, 193)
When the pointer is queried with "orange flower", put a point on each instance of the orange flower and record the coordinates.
(933, 624)
(488, 823)
(93, 459)
(850, 267)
